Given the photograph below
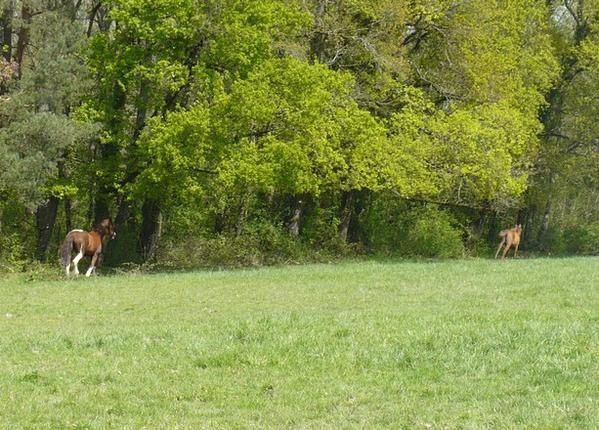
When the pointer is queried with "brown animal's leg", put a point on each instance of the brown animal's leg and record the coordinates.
(92, 266)
(508, 245)
(500, 245)
(516, 249)
(76, 260)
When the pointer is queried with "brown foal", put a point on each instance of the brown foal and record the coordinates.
(86, 243)
(509, 238)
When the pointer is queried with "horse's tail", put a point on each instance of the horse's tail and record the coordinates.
(65, 250)
(503, 233)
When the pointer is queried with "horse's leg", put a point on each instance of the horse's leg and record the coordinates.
(76, 260)
(68, 268)
(516, 249)
(508, 245)
(500, 245)
(92, 266)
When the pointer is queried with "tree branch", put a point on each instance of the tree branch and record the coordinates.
(573, 13)
(92, 18)
(443, 203)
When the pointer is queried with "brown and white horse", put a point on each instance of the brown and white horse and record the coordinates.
(509, 238)
(85, 243)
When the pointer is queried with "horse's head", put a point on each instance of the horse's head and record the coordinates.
(105, 228)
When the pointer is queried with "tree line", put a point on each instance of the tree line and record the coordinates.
(271, 130)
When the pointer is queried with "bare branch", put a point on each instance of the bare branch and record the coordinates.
(443, 203)
(92, 18)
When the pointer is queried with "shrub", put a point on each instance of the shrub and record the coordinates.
(395, 226)
(12, 253)
(433, 235)
(553, 241)
(582, 240)
(260, 243)
(320, 231)
(386, 223)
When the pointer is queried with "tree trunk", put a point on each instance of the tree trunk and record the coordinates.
(45, 218)
(552, 116)
(319, 38)
(68, 214)
(114, 246)
(100, 209)
(346, 216)
(294, 224)
(546, 212)
(23, 37)
(545, 223)
(150, 229)
(122, 215)
(67, 202)
(141, 115)
(219, 222)
(6, 22)
(493, 228)
(241, 217)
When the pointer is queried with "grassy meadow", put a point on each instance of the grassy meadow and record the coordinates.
(378, 344)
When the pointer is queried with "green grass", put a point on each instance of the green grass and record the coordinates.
(457, 344)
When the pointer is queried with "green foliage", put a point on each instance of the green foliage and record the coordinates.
(33, 146)
(509, 58)
(487, 152)
(124, 249)
(433, 235)
(13, 255)
(320, 231)
(37, 135)
(252, 112)
(17, 240)
(300, 124)
(385, 224)
(57, 78)
(170, 152)
(140, 66)
(582, 240)
(478, 154)
(398, 227)
(259, 244)
(243, 34)
(290, 127)
(562, 192)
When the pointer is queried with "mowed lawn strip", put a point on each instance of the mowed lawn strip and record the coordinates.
(470, 343)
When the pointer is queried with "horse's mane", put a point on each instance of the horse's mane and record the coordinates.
(100, 227)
